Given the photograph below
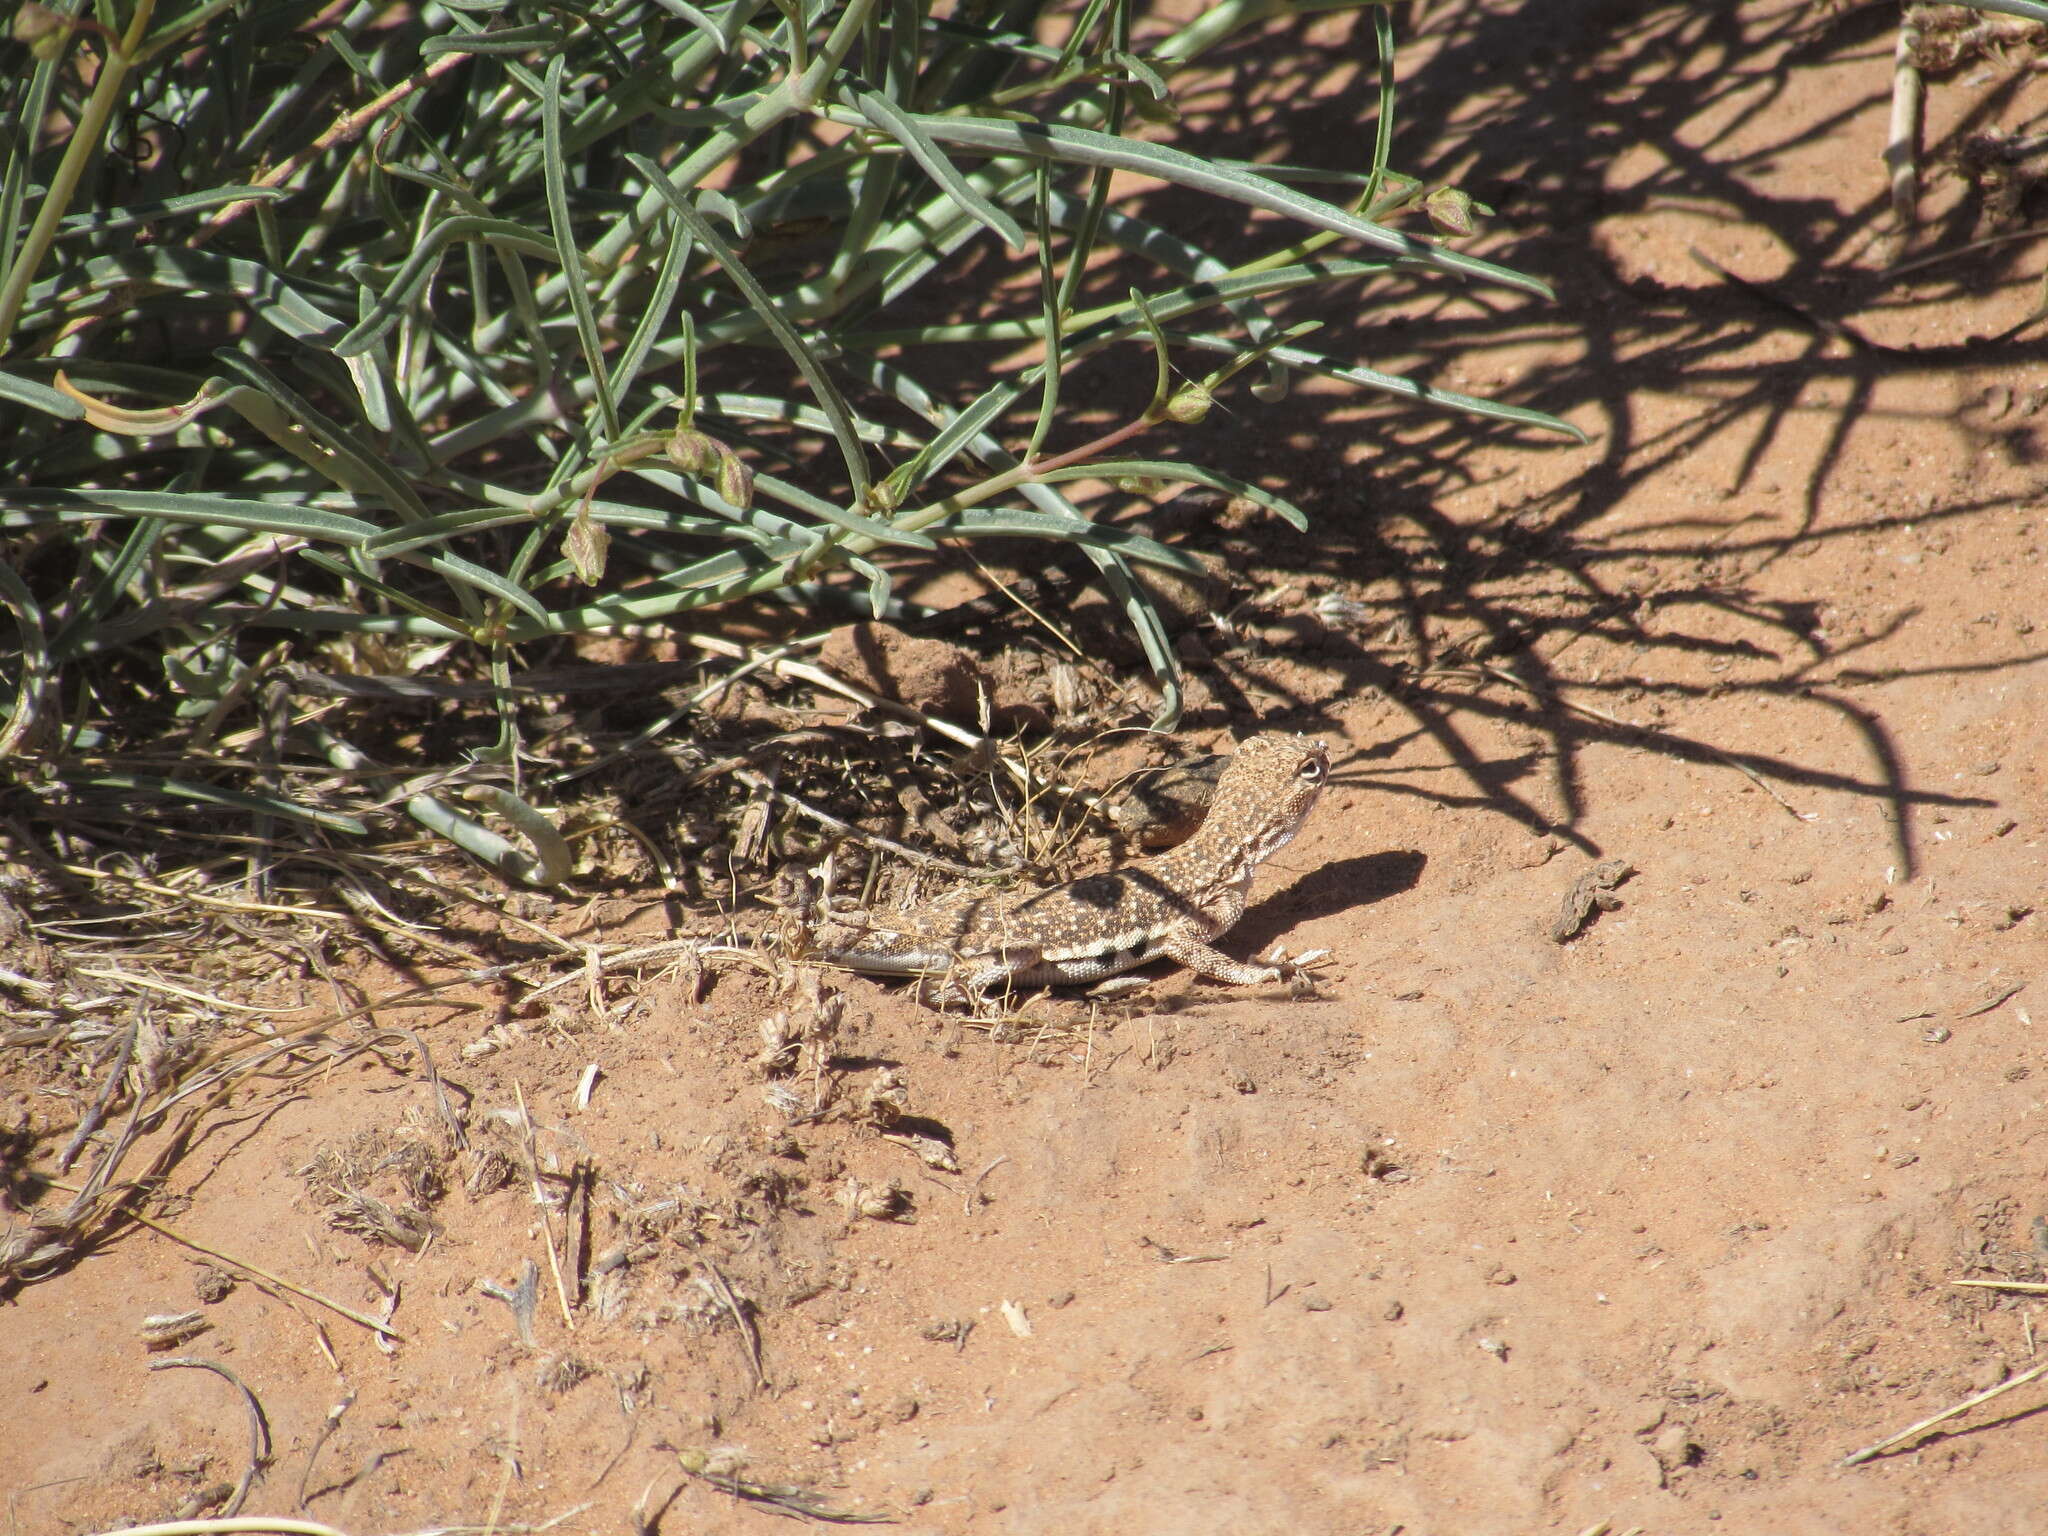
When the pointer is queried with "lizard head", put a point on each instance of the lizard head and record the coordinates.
(1268, 790)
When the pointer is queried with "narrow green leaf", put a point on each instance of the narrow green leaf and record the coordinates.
(355, 576)
(737, 407)
(1162, 371)
(1394, 384)
(249, 285)
(1083, 146)
(36, 672)
(468, 573)
(955, 435)
(39, 397)
(403, 289)
(370, 473)
(192, 508)
(697, 19)
(799, 350)
(112, 585)
(556, 176)
(1383, 128)
(104, 220)
(1193, 474)
(439, 528)
(1052, 314)
(1102, 327)
(984, 522)
(547, 865)
(654, 317)
(1143, 614)
(211, 794)
(536, 37)
(816, 506)
(904, 128)
(338, 621)
(878, 585)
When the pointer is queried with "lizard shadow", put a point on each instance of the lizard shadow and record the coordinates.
(1334, 887)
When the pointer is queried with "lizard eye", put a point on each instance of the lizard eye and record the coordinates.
(1312, 770)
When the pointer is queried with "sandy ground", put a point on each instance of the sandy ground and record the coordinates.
(1496, 1233)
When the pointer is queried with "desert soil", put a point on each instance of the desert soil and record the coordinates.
(1495, 1233)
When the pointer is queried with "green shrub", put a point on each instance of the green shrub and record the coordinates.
(443, 328)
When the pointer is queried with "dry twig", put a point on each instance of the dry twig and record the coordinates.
(259, 1426)
(262, 1276)
(715, 1285)
(784, 1498)
(1856, 1458)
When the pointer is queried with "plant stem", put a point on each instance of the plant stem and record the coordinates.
(85, 139)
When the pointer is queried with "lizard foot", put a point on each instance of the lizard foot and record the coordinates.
(1299, 972)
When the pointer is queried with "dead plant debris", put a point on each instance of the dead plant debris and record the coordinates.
(1592, 891)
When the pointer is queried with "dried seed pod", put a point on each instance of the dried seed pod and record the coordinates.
(167, 1330)
(887, 1097)
(877, 1202)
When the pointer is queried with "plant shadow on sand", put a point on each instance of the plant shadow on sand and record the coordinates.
(1472, 590)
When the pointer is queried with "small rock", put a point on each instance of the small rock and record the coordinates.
(1674, 1446)
(925, 674)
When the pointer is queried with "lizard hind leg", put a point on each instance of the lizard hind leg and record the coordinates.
(1198, 957)
(985, 983)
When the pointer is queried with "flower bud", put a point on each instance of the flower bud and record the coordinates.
(735, 480)
(1189, 404)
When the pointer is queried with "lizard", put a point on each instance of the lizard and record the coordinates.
(1174, 904)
